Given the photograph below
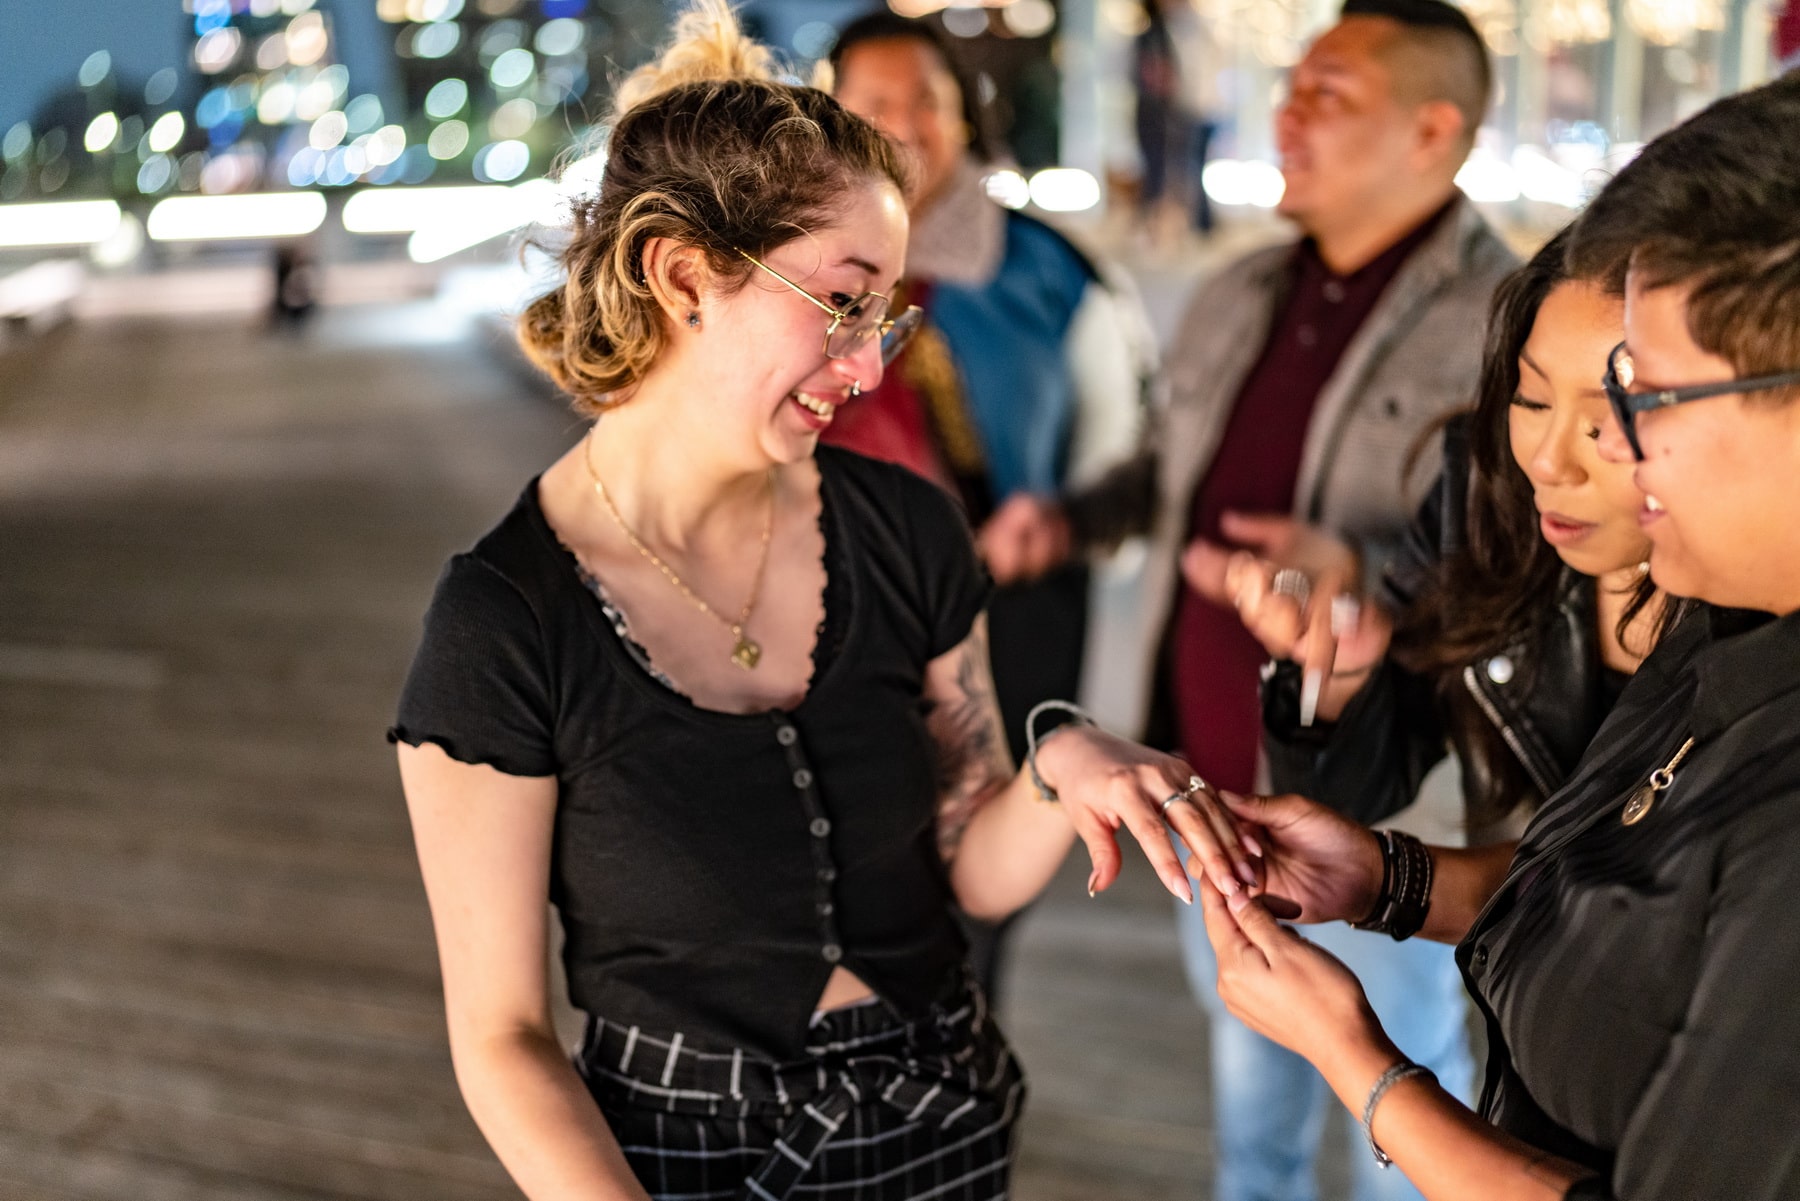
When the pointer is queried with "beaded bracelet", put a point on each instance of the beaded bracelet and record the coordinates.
(1405, 898)
(1388, 1079)
(1032, 741)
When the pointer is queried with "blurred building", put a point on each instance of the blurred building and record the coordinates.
(311, 102)
(266, 96)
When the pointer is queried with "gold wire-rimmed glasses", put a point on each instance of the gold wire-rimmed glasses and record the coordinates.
(855, 323)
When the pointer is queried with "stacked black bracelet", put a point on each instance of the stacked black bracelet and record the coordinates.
(1405, 897)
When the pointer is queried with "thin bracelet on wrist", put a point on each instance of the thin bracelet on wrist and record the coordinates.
(1384, 889)
(1033, 742)
(1403, 1070)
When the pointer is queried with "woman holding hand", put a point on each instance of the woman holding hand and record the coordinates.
(1636, 956)
(1518, 606)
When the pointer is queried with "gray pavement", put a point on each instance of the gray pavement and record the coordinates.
(216, 971)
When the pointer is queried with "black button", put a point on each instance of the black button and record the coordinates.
(820, 827)
(831, 952)
(786, 735)
(826, 908)
(1481, 955)
(827, 875)
(802, 778)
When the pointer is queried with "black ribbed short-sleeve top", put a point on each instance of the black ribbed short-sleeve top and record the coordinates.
(711, 869)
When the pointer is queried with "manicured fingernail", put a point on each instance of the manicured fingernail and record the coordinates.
(1230, 887)
(1185, 892)
(1251, 845)
(1247, 872)
(1237, 902)
(1092, 881)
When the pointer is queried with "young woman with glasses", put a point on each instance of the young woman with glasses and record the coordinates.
(1634, 958)
(722, 697)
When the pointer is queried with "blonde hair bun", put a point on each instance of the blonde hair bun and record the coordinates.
(708, 150)
(707, 46)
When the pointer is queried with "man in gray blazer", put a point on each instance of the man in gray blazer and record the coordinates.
(1301, 379)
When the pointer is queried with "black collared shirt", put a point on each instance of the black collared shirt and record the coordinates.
(711, 869)
(1639, 980)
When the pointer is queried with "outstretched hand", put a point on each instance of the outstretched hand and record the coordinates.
(1298, 627)
(1026, 537)
(1273, 537)
(1280, 985)
(1106, 782)
(1317, 864)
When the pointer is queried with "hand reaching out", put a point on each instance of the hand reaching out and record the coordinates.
(1105, 782)
(1283, 987)
(1025, 538)
(1335, 637)
(1276, 538)
(1317, 865)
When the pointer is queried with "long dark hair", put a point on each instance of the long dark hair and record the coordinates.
(1498, 589)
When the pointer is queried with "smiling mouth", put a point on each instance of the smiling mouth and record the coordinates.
(813, 405)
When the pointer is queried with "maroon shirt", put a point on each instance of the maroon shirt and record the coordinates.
(1214, 663)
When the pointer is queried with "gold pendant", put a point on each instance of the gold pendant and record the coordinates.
(1638, 806)
(746, 653)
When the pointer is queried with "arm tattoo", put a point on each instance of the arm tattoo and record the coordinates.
(973, 762)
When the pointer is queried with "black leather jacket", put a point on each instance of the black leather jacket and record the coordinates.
(1545, 695)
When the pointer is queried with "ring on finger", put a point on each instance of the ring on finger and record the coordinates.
(1292, 582)
(1195, 786)
(1172, 798)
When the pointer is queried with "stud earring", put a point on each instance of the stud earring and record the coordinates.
(855, 389)
(1644, 567)
(693, 320)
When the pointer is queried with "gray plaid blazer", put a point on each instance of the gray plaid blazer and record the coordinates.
(1415, 358)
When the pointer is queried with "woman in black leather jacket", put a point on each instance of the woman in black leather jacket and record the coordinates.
(1517, 607)
(1634, 955)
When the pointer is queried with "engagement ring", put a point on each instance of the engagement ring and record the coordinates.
(1291, 581)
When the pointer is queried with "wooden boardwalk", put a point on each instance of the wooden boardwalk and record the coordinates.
(216, 973)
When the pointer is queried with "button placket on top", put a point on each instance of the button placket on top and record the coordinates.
(787, 735)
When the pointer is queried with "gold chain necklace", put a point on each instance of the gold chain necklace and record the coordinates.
(744, 651)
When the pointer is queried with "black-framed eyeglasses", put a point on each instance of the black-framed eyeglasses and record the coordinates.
(863, 318)
(1626, 404)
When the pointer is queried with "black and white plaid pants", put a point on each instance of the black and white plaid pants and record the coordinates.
(878, 1110)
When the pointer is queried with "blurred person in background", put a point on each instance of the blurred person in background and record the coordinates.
(1787, 36)
(752, 821)
(1299, 379)
(1634, 956)
(295, 295)
(1175, 78)
(1030, 371)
